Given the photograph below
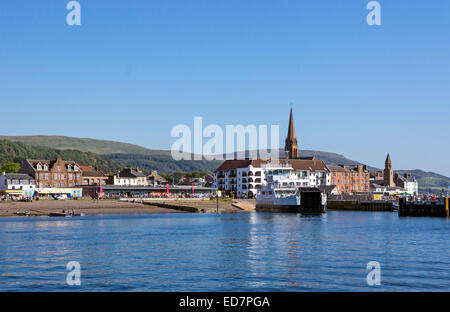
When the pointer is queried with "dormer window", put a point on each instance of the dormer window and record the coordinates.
(45, 167)
(39, 167)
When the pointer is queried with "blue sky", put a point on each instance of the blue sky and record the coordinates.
(134, 69)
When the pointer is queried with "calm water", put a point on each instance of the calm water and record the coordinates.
(229, 252)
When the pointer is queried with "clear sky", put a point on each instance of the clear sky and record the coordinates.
(134, 69)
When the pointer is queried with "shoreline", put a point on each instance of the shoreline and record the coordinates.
(109, 207)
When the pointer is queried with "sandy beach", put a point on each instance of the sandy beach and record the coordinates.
(96, 207)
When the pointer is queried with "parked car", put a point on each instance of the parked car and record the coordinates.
(61, 197)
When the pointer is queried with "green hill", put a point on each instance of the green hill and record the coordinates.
(17, 152)
(163, 162)
(81, 144)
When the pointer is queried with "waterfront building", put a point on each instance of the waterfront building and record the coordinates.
(128, 177)
(350, 179)
(53, 173)
(17, 184)
(92, 176)
(150, 191)
(245, 177)
(407, 182)
(154, 179)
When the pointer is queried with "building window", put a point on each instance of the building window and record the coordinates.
(59, 168)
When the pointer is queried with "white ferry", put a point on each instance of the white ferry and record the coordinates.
(284, 192)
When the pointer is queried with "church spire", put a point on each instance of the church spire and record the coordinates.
(291, 141)
(291, 130)
(388, 161)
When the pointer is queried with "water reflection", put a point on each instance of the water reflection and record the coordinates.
(235, 252)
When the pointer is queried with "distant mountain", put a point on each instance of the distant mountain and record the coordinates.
(17, 152)
(130, 155)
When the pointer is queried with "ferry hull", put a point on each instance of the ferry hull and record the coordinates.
(276, 208)
(291, 208)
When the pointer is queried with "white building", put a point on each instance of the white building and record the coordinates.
(129, 177)
(246, 177)
(17, 184)
(408, 183)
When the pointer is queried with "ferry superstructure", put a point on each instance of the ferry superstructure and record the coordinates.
(284, 191)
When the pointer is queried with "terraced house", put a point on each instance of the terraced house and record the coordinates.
(92, 175)
(53, 173)
(350, 179)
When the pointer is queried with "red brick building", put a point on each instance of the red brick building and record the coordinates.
(92, 176)
(53, 173)
(350, 179)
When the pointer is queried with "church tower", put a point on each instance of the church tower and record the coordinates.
(291, 141)
(388, 172)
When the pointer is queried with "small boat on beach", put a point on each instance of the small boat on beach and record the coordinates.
(66, 214)
(22, 213)
(57, 214)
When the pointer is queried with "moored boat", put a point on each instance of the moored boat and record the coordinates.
(285, 192)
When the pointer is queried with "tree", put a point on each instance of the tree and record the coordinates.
(10, 167)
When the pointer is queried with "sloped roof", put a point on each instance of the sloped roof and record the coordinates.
(18, 176)
(297, 164)
(90, 171)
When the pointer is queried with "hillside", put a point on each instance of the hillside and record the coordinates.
(163, 162)
(81, 144)
(17, 152)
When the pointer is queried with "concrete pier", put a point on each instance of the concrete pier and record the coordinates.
(438, 208)
(360, 205)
